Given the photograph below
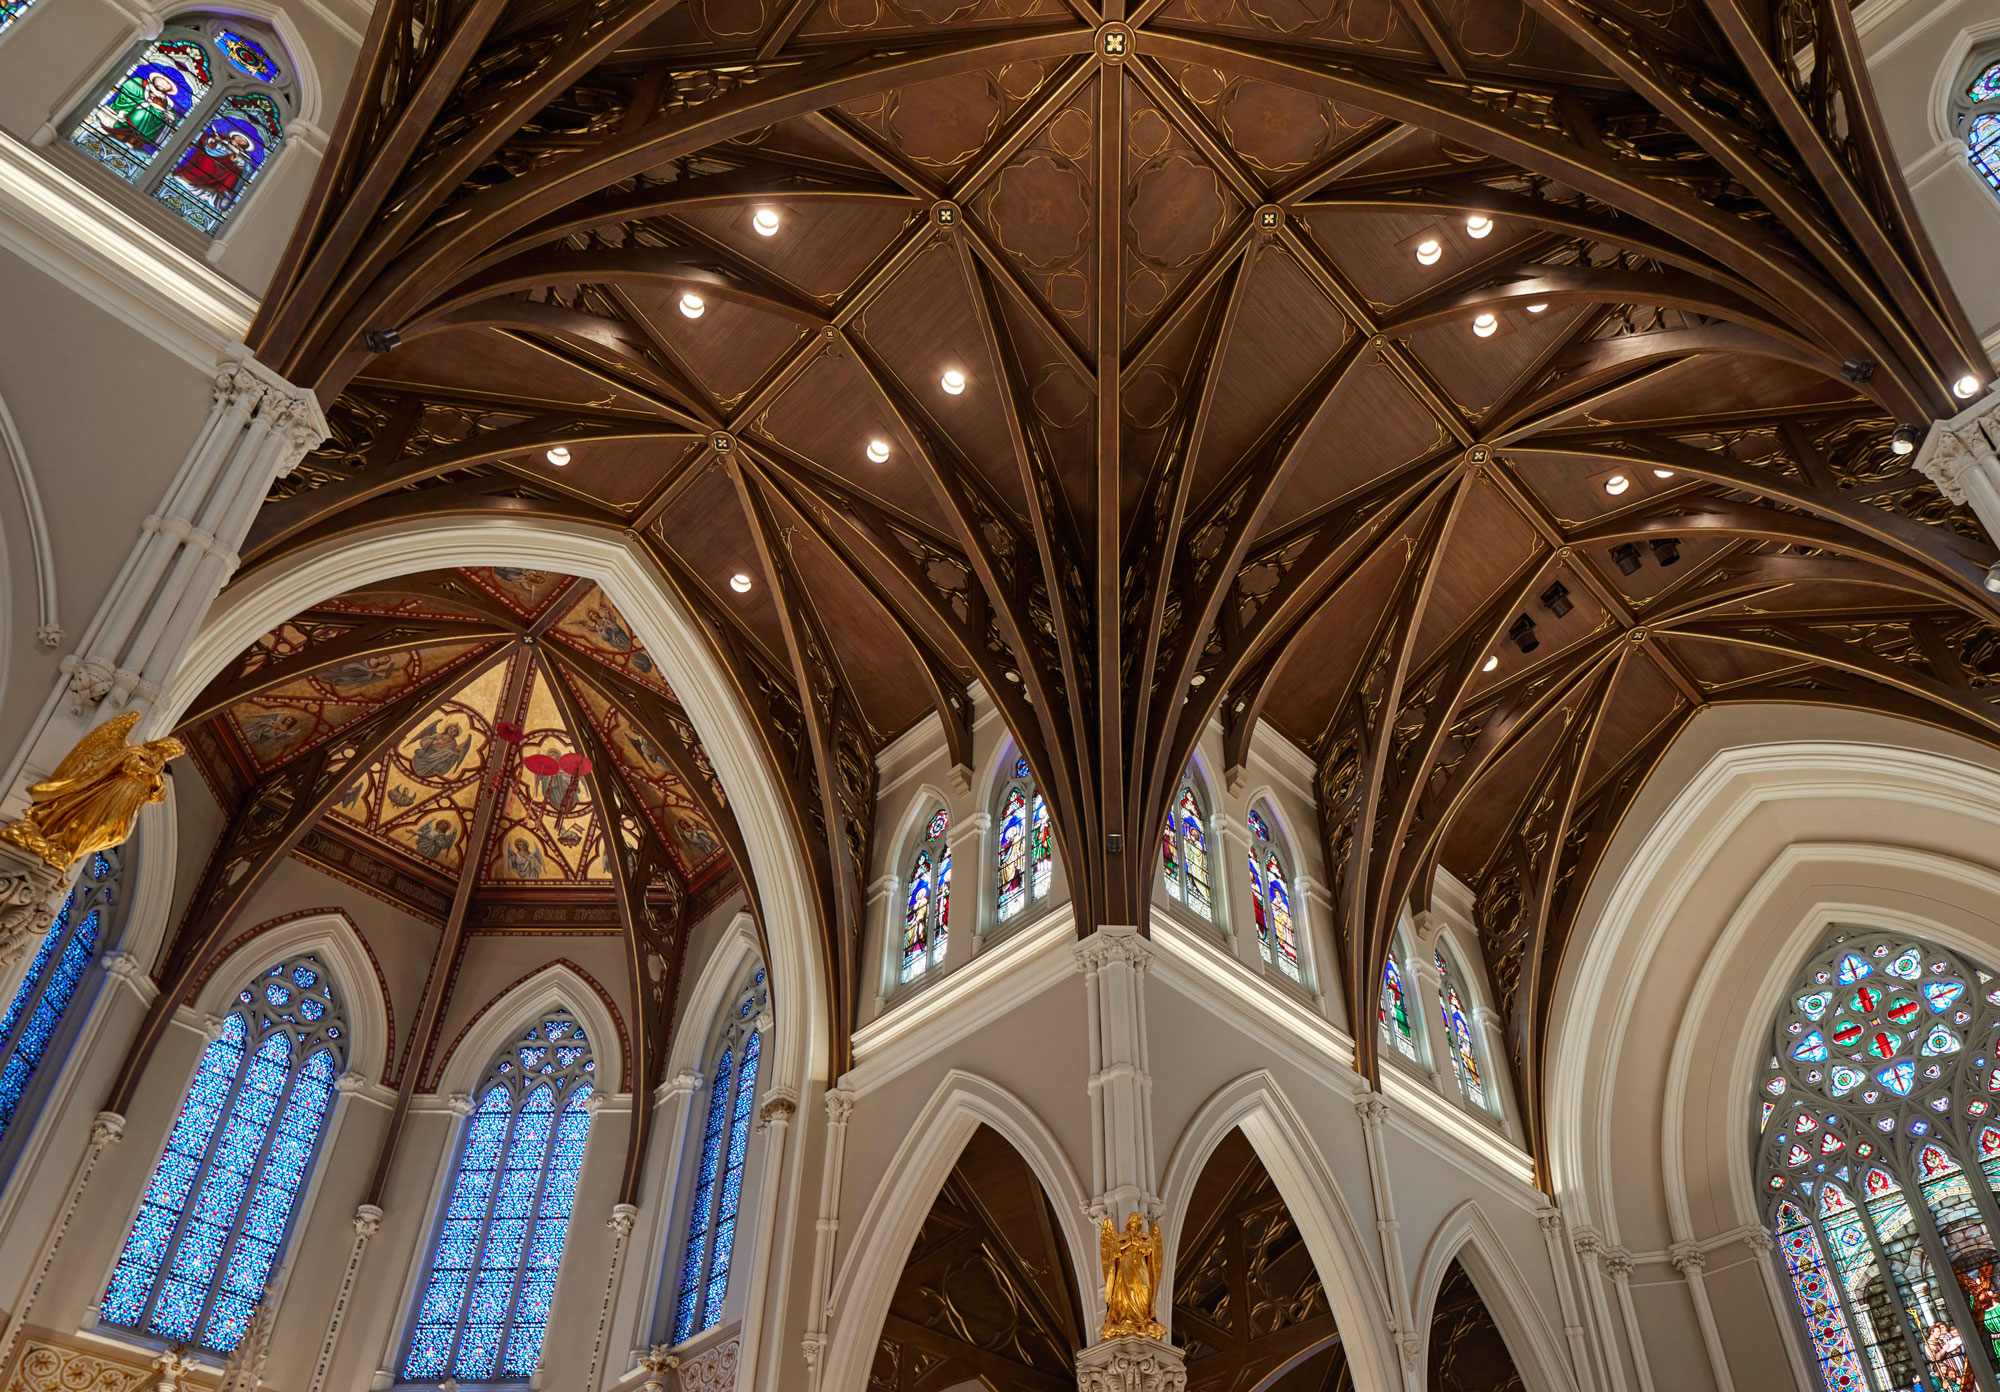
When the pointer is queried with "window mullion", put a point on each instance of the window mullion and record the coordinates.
(1891, 1286)
(1830, 1266)
(713, 1207)
(534, 1226)
(186, 1215)
(1971, 1331)
(251, 1180)
(485, 1222)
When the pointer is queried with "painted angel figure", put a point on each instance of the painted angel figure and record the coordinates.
(441, 747)
(1131, 1278)
(89, 803)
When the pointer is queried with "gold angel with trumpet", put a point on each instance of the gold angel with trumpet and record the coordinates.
(91, 800)
(1131, 1278)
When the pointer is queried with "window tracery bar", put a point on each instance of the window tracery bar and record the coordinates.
(222, 1197)
(488, 1293)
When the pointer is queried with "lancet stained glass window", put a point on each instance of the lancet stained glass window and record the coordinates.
(44, 995)
(221, 1200)
(1184, 854)
(1270, 901)
(191, 118)
(1026, 864)
(1975, 116)
(11, 10)
(716, 1205)
(1879, 1159)
(1392, 1013)
(1458, 1033)
(927, 910)
(491, 1278)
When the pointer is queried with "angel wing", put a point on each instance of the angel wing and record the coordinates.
(1155, 1254)
(1107, 1245)
(96, 750)
(427, 731)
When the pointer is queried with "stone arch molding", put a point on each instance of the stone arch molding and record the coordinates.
(1467, 1236)
(267, 597)
(1256, 1105)
(556, 986)
(712, 991)
(1737, 797)
(331, 936)
(866, 1280)
(34, 524)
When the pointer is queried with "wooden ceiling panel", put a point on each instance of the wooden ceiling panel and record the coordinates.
(1643, 697)
(845, 238)
(707, 531)
(1489, 542)
(1179, 210)
(728, 348)
(830, 416)
(1374, 426)
(1377, 251)
(495, 364)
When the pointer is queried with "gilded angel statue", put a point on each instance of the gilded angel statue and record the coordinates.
(89, 803)
(1131, 1278)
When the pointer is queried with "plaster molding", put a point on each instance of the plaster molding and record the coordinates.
(1468, 1237)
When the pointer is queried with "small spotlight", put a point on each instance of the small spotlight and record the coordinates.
(766, 222)
(1663, 473)
(740, 583)
(1478, 225)
(878, 450)
(1617, 484)
(1556, 599)
(1904, 441)
(1485, 324)
(1536, 308)
(693, 306)
(559, 456)
(1993, 577)
(1627, 557)
(1966, 387)
(1490, 663)
(1429, 250)
(1523, 634)
(1858, 369)
(1666, 550)
(953, 381)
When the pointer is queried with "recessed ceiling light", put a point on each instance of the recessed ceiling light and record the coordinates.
(693, 306)
(1428, 251)
(1904, 441)
(1536, 308)
(953, 381)
(1490, 663)
(740, 583)
(1486, 324)
(559, 456)
(878, 450)
(1478, 225)
(1617, 484)
(766, 222)
(1965, 387)
(1663, 473)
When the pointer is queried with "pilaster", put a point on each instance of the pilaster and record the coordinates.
(1689, 1259)
(1113, 961)
(367, 1223)
(1961, 455)
(106, 1131)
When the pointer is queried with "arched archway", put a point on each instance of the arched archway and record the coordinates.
(1467, 1352)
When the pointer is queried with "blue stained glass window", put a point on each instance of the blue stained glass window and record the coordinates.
(717, 1200)
(221, 1199)
(927, 912)
(490, 1286)
(43, 997)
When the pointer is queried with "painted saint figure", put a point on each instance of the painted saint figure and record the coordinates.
(269, 730)
(218, 165)
(358, 672)
(441, 747)
(144, 109)
(524, 859)
(435, 837)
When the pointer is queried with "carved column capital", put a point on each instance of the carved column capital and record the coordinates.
(1550, 1218)
(1115, 942)
(780, 1104)
(350, 1082)
(1617, 1263)
(623, 1216)
(459, 1104)
(1587, 1242)
(1688, 1258)
(107, 1128)
(1757, 1240)
(367, 1221)
(1373, 1109)
(839, 1106)
(29, 897)
(1131, 1364)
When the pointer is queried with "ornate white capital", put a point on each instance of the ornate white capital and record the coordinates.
(1131, 1364)
(1115, 942)
(623, 1216)
(594, 1103)
(29, 887)
(1587, 1242)
(1687, 1257)
(1424, 929)
(107, 1128)
(1757, 1240)
(49, 635)
(350, 1082)
(1617, 1263)
(1373, 1109)
(839, 1106)
(1550, 1218)
(460, 1103)
(367, 1221)
(779, 1103)
(124, 966)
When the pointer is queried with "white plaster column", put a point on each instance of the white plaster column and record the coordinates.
(771, 1266)
(367, 1222)
(106, 1131)
(1961, 456)
(1580, 1361)
(1373, 1109)
(1590, 1246)
(974, 908)
(1123, 1174)
(623, 1217)
(826, 1230)
(1618, 1266)
(1691, 1262)
(259, 427)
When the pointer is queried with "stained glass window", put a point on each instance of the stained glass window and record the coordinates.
(716, 1205)
(1986, 86)
(491, 1279)
(192, 117)
(1392, 1013)
(927, 909)
(221, 1200)
(1878, 1161)
(11, 10)
(1976, 117)
(44, 995)
(1458, 1033)
(1184, 854)
(1270, 901)
(1026, 863)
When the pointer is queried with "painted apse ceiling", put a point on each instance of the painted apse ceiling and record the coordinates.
(516, 659)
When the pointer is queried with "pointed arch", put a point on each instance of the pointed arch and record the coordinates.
(559, 985)
(866, 1279)
(330, 935)
(1256, 1105)
(1468, 1237)
(718, 978)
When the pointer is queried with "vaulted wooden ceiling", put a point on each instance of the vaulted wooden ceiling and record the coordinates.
(1256, 425)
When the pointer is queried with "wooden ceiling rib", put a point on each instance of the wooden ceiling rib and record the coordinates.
(1228, 449)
